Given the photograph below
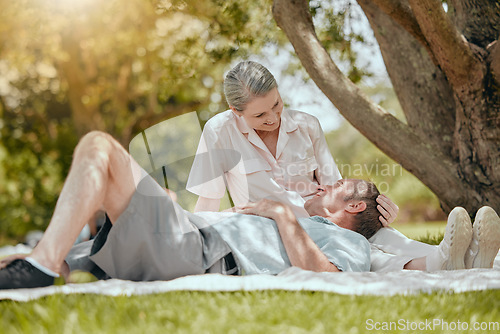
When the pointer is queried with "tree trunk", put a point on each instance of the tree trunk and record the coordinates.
(422, 89)
(85, 116)
(447, 86)
(477, 20)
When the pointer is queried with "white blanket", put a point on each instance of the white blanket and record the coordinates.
(292, 279)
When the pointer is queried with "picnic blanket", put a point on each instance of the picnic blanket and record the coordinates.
(293, 279)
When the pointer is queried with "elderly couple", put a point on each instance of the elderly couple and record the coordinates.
(292, 207)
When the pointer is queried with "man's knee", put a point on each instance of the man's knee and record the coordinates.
(95, 147)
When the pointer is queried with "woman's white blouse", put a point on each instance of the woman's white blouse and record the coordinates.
(232, 155)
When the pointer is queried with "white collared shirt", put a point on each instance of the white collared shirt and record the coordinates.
(232, 154)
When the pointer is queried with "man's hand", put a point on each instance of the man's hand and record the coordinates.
(267, 208)
(387, 209)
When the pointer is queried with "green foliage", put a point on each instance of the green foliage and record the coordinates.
(119, 62)
(243, 312)
(31, 174)
(337, 26)
(119, 66)
(31, 185)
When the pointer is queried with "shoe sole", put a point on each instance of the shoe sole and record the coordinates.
(485, 240)
(459, 234)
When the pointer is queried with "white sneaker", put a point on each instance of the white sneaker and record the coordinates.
(450, 253)
(485, 239)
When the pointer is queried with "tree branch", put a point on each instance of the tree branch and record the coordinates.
(426, 97)
(401, 13)
(452, 51)
(494, 49)
(121, 96)
(85, 117)
(384, 130)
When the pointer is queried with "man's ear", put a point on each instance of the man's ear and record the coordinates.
(355, 207)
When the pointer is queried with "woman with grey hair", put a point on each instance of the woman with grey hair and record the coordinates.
(257, 149)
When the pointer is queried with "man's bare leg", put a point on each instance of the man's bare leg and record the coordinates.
(416, 264)
(102, 176)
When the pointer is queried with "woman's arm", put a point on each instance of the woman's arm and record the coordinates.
(207, 204)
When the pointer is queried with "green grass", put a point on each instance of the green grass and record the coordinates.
(429, 232)
(244, 312)
(256, 311)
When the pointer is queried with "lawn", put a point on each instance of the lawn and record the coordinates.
(422, 231)
(251, 312)
(429, 232)
(256, 312)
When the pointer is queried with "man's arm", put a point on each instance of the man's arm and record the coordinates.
(301, 249)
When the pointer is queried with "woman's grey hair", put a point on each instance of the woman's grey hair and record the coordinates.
(246, 81)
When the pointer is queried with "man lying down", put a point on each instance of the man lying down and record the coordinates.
(262, 238)
(153, 238)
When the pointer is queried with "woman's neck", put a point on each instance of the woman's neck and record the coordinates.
(270, 139)
(267, 134)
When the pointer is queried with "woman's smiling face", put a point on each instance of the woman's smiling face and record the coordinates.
(263, 113)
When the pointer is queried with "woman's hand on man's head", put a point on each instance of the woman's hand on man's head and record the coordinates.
(388, 210)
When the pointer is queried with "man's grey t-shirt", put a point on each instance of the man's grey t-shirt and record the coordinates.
(258, 248)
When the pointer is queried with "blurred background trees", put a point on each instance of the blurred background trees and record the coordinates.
(68, 67)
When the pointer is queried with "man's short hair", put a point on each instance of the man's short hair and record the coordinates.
(367, 222)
